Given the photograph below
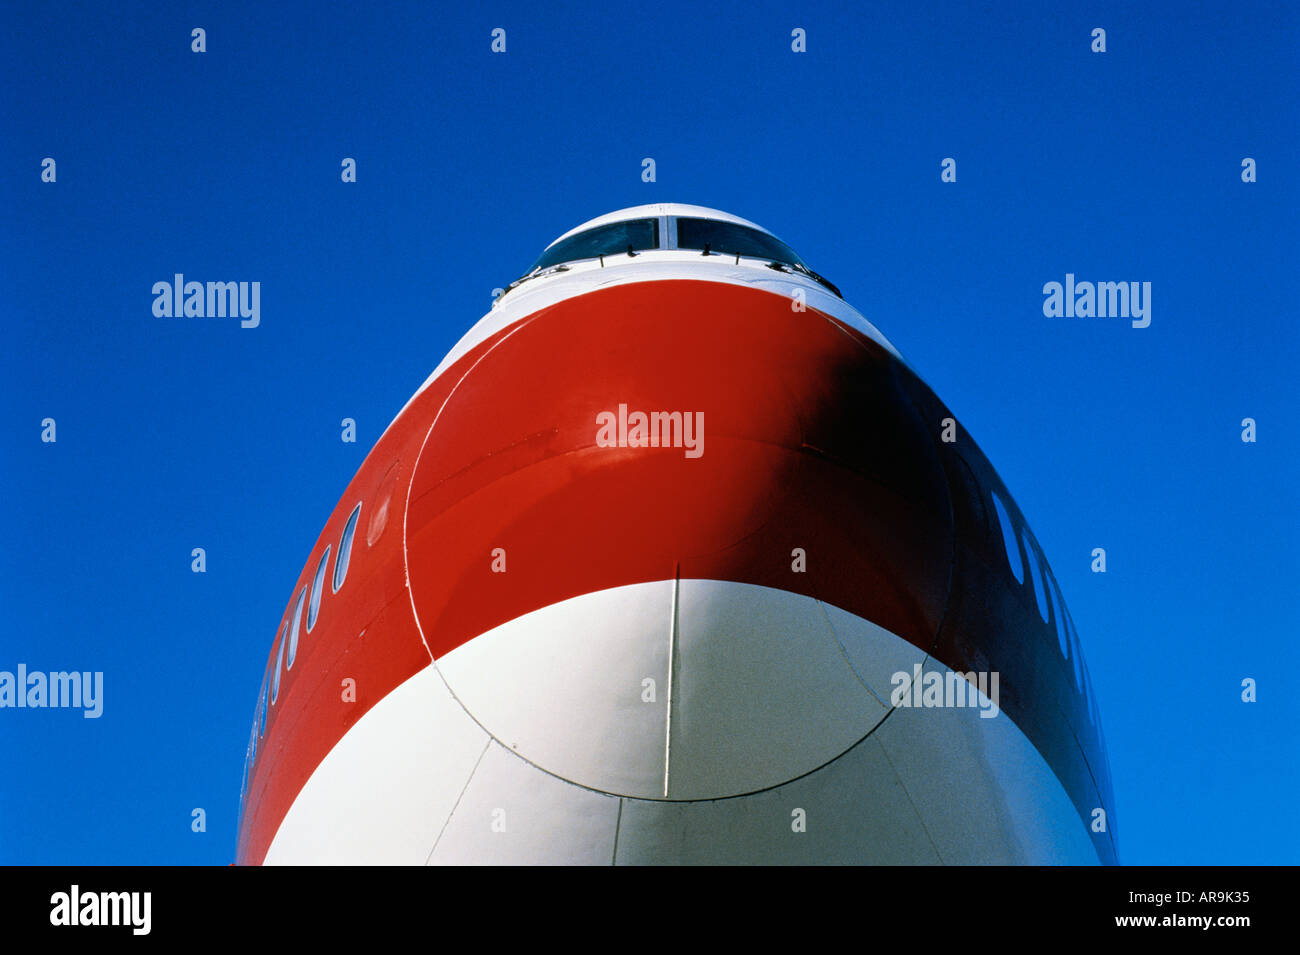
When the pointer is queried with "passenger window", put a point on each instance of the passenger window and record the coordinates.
(345, 549)
(293, 630)
(261, 718)
(1010, 547)
(279, 661)
(1062, 637)
(1078, 662)
(1035, 558)
(317, 585)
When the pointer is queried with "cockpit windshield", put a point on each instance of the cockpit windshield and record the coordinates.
(631, 235)
(732, 239)
(670, 233)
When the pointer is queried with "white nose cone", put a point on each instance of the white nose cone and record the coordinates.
(680, 690)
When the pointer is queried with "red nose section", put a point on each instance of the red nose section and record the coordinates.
(798, 441)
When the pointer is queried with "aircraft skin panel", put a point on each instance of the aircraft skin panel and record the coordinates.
(852, 811)
(514, 814)
(418, 780)
(748, 661)
(565, 686)
(986, 794)
(382, 794)
(582, 688)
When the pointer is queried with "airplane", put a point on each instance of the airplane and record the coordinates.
(674, 559)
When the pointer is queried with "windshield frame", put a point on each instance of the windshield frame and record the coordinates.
(665, 234)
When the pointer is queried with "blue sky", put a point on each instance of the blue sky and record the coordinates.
(225, 165)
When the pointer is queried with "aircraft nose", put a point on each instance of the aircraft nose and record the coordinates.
(653, 611)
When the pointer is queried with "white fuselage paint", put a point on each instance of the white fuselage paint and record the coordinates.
(537, 742)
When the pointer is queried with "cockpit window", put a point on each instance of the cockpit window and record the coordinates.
(687, 233)
(613, 239)
(733, 239)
